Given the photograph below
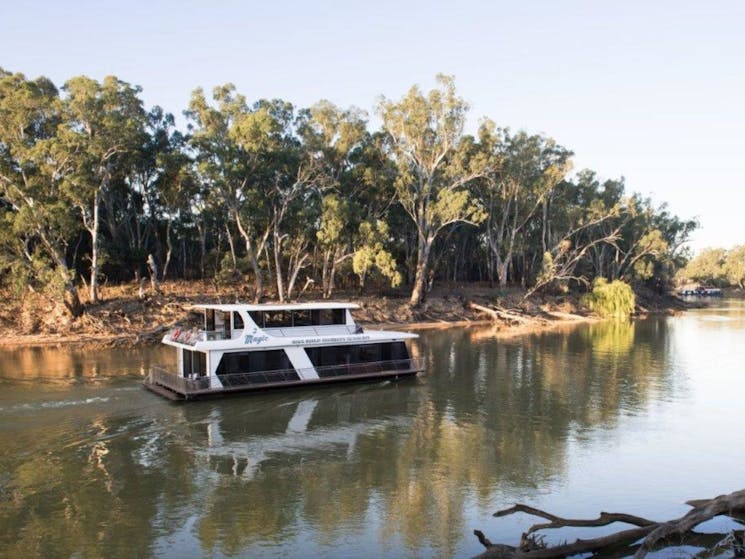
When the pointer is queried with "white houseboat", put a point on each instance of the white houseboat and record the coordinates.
(244, 347)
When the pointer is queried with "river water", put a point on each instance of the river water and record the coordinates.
(636, 417)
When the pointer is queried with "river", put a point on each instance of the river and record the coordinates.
(635, 417)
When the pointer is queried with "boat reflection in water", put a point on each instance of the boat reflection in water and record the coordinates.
(329, 424)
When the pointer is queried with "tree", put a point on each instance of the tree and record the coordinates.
(708, 266)
(35, 211)
(229, 141)
(102, 124)
(734, 266)
(254, 164)
(372, 255)
(166, 179)
(335, 138)
(425, 133)
(523, 172)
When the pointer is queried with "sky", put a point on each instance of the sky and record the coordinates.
(653, 90)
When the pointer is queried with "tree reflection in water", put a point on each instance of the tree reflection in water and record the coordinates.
(394, 468)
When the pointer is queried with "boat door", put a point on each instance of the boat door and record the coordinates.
(193, 364)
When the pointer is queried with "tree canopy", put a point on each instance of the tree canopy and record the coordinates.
(94, 187)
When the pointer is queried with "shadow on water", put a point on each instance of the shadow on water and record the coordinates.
(381, 469)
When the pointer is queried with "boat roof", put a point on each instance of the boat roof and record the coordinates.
(275, 306)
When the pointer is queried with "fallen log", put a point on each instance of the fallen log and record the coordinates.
(655, 534)
(501, 314)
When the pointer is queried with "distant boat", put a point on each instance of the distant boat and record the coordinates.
(701, 291)
(244, 347)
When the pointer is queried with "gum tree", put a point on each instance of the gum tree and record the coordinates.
(103, 127)
(424, 133)
(523, 172)
(37, 224)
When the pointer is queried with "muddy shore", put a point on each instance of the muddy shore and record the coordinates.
(122, 318)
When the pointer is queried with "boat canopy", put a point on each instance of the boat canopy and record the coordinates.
(229, 307)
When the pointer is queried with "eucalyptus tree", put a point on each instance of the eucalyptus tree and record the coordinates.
(131, 205)
(252, 161)
(585, 224)
(230, 168)
(675, 234)
(166, 179)
(356, 176)
(103, 124)
(333, 137)
(36, 218)
(709, 266)
(424, 133)
(523, 172)
(734, 266)
(641, 244)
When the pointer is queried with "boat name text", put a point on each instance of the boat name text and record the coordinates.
(253, 339)
(326, 340)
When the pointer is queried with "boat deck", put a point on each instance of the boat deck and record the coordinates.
(176, 387)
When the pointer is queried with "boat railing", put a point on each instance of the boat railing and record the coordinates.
(320, 330)
(202, 384)
(192, 336)
(164, 377)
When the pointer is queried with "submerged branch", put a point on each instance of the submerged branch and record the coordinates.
(655, 534)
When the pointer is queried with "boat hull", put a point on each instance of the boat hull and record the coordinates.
(176, 394)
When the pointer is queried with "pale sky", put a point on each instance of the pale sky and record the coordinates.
(651, 90)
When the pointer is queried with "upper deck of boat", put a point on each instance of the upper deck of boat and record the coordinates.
(230, 307)
(246, 325)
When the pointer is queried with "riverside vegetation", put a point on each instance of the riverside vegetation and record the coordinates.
(270, 200)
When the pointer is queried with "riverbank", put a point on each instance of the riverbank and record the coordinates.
(121, 317)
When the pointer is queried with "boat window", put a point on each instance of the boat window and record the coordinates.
(226, 324)
(237, 321)
(257, 317)
(277, 319)
(398, 351)
(322, 317)
(209, 320)
(353, 354)
(253, 362)
(301, 318)
(200, 359)
(368, 353)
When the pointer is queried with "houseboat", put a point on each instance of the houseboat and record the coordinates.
(243, 347)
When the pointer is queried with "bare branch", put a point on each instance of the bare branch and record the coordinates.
(655, 534)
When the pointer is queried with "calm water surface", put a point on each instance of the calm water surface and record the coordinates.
(635, 417)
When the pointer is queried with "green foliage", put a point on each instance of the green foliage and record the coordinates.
(334, 219)
(716, 266)
(735, 266)
(372, 254)
(709, 266)
(613, 299)
(88, 179)
(426, 141)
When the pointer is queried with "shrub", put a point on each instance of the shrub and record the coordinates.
(610, 300)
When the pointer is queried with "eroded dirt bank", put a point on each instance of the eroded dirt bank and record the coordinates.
(123, 318)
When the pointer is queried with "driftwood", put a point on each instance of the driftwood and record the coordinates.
(502, 314)
(651, 534)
